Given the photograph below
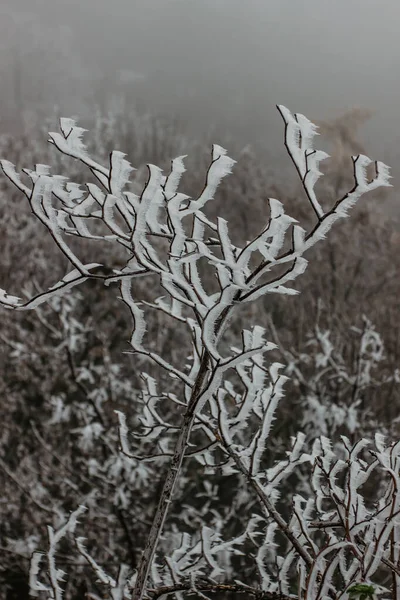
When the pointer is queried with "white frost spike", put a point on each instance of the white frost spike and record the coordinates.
(39, 170)
(173, 179)
(275, 207)
(210, 322)
(299, 235)
(8, 300)
(42, 169)
(10, 171)
(207, 535)
(220, 167)
(71, 141)
(151, 190)
(226, 245)
(101, 574)
(313, 158)
(66, 125)
(56, 575)
(298, 268)
(137, 315)
(308, 131)
(361, 162)
(120, 170)
(108, 215)
(34, 584)
(383, 176)
(299, 138)
(274, 231)
(123, 432)
(319, 567)
(70, 280)
(96, 193)
(380, 442)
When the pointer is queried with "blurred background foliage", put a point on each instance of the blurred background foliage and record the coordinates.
(64, 368)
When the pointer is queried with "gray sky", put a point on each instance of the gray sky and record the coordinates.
(225, 61)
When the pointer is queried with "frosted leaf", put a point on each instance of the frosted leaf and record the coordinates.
(120, 170)
(209, 334)
(101, 574)
(298, 267)
(220, 167)
(8, 300)
(147, 213)
(96, 193)
(34, 584)
(123, 432)
(70, 142)
(137, 315)
(298, 238)
(299, 139)
(173, 179)
(69, 281)
(108, 215)
(380, 442)
(11, 173)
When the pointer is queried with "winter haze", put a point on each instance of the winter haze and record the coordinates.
(213, 62)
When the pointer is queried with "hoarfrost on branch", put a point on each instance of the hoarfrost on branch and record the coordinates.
(310, 547)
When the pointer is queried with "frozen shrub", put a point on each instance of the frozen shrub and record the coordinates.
(219, 409)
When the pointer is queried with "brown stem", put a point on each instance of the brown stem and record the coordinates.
(171, 479)
(215, 588)
(266, 502)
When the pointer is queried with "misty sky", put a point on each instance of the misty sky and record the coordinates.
(218, 61)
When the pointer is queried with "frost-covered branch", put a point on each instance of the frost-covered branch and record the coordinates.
(166, 234)
(55, 575)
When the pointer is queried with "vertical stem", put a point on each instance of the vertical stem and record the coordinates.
(171, 479)
(394, 559)
(175, 467)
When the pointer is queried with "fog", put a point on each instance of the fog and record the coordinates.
(213, 62)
